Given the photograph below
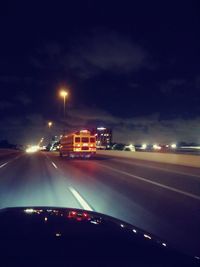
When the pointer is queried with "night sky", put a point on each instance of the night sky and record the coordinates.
(132, 67)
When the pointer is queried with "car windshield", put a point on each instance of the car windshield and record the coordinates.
(99, 108)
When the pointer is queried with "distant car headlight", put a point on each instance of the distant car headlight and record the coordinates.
(32, 149)
(144, 146)
(156, 147)
(173, 146)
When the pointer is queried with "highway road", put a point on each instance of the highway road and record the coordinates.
(160, 198)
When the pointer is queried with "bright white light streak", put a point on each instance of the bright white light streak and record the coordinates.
(32, 149)
(54, 165)
(164, 244)
(135, 231)
(4, 164)
(94, 222)
(29, 211)
(147, 236)
(58, 234)
(173, 145)
(79, 198)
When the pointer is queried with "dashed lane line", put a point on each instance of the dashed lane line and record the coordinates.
(152, 182)
(80, 199)
(158, 168)
(54, 165)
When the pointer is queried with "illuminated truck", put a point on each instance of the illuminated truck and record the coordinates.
(78, 144)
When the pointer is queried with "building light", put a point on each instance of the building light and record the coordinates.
(101, 128)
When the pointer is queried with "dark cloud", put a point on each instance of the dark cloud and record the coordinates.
(197, 82)
(5, 105)
(148, 129)
(23, 99)
(25, 130)
(139, 129)
(106, 52)
(15, 79)
(125, 64)
(48, 56)
(89, 56)
(172, 85)
(20, 98)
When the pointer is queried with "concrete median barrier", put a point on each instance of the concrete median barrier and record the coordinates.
(178, 159)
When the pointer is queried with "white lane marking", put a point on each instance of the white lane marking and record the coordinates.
(159, 168)
(54, 165)
(152, 182)
(4, 164)
(81, 201)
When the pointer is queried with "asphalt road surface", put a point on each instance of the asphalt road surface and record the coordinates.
(160, 198)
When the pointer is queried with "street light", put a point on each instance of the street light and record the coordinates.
(50, 123)
(64, 94)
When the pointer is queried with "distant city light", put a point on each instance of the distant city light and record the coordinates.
(29, 210)
(58, 234)
(130, 147)
(101, 128)
(144, 146)
(156, 147)
(173, 146)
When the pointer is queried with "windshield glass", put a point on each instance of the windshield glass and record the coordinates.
(99, 109)
(85, 139)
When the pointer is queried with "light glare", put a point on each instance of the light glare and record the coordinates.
(173, 146)
(144, 146)
(32, 149)
(63, 93)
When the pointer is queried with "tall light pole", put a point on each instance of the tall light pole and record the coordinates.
(64, 94)
(49, 124)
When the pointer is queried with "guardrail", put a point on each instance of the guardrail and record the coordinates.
(178, 159)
